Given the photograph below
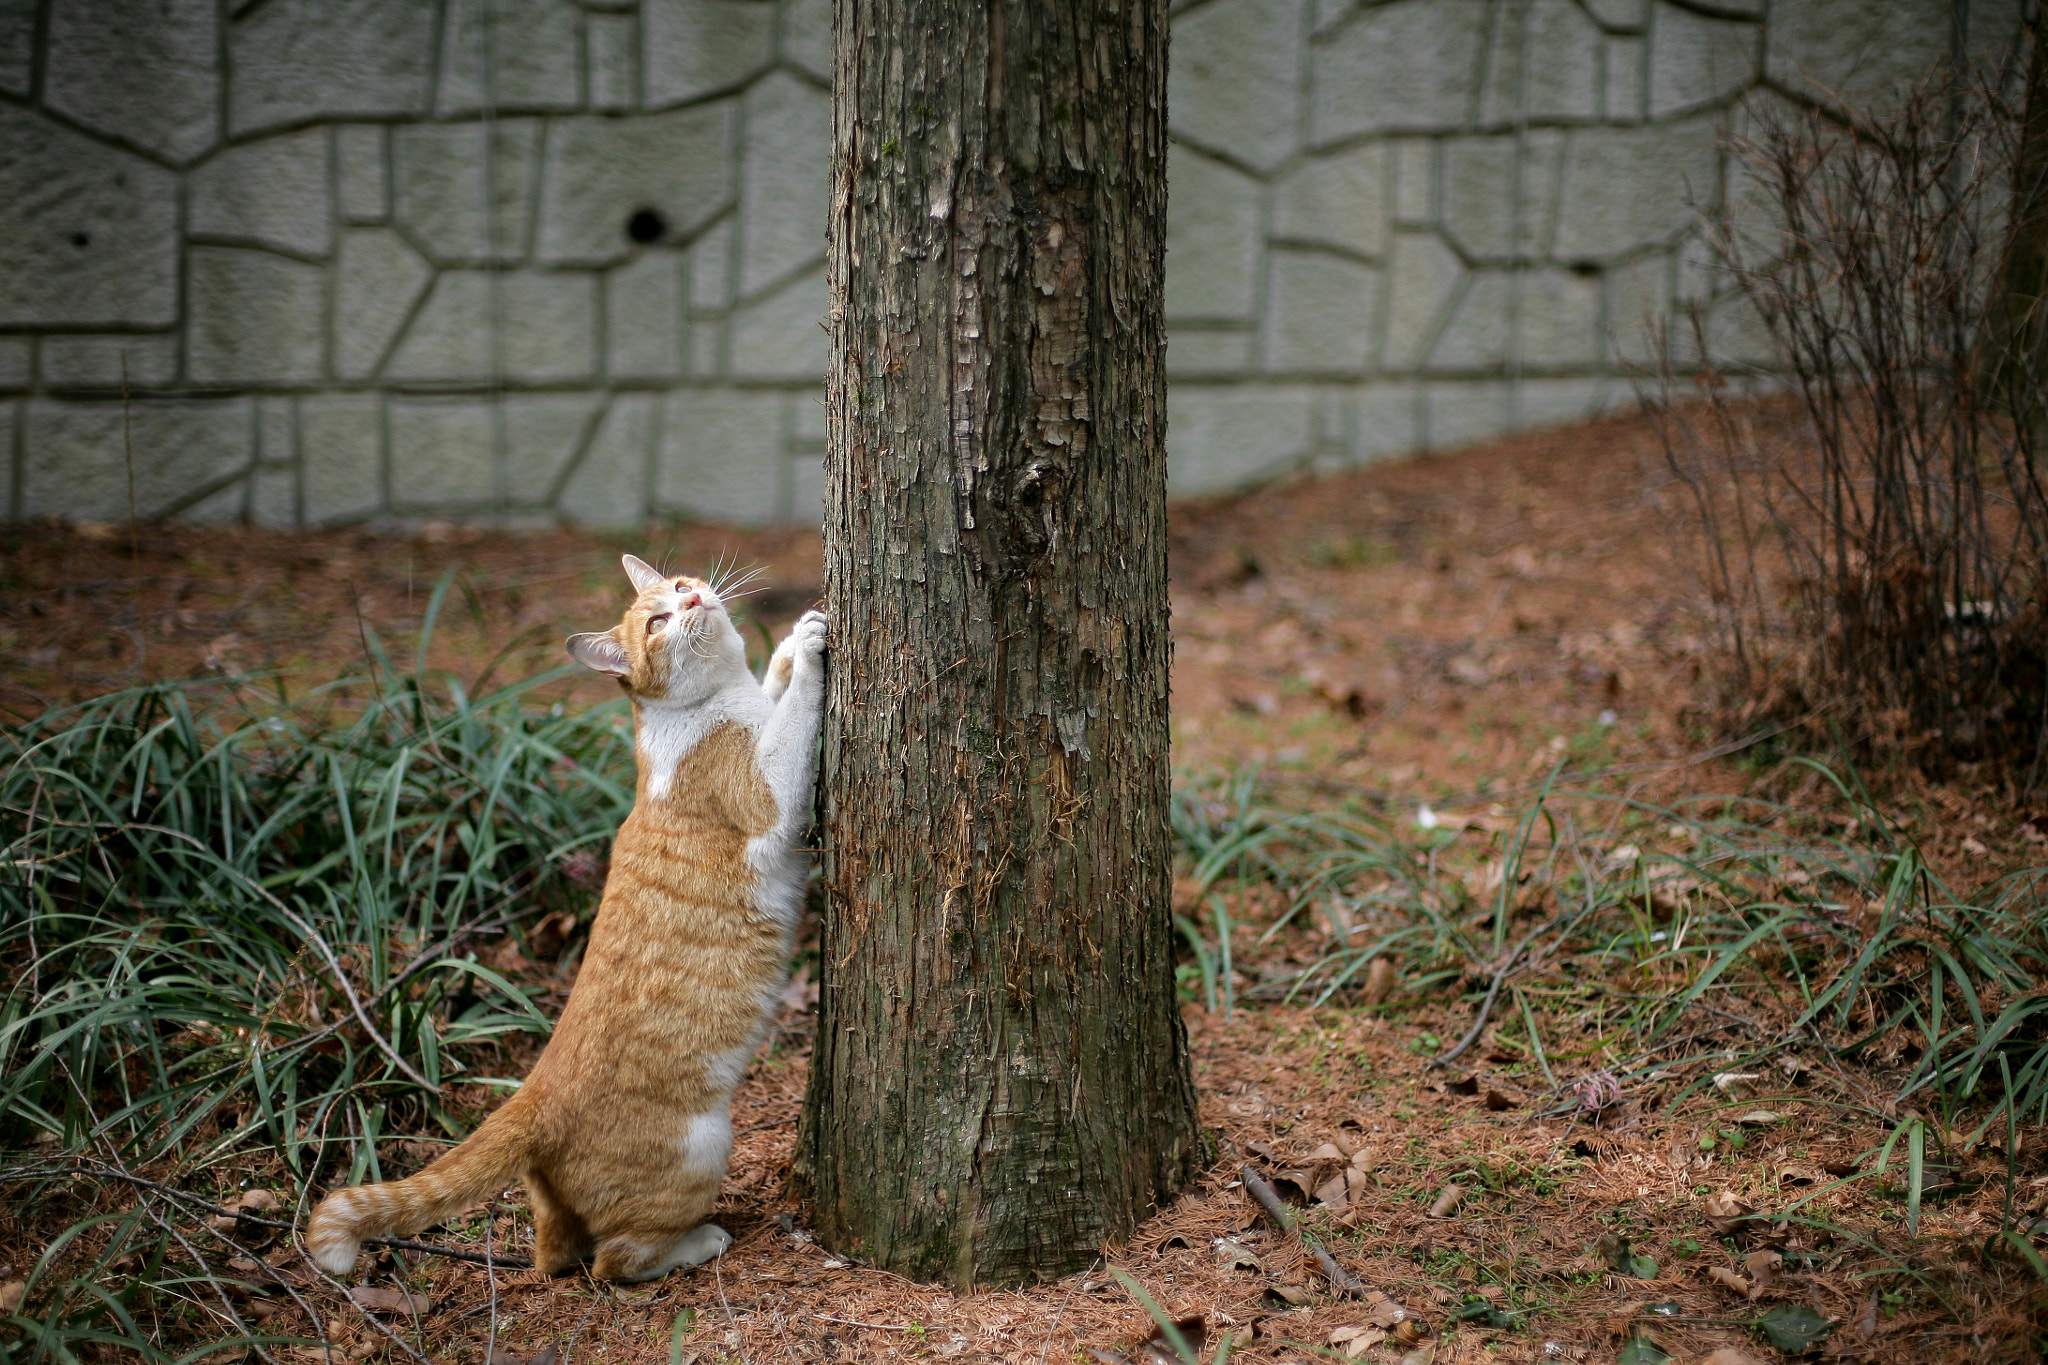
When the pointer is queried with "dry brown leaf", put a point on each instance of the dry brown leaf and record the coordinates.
(1342, 1189)
(380, 1300)
(11, 1293)
(552, 934)
(546, 1355)
(507, 958)
(1357, 1340)
(1725, 1212)
(1382, 1311)
(1293, 1295)
(256, 1201)
(1329, 1151)
(1447, 1201)
(1293, 1187)
(1497, 1101)
(1763, 1269)
(1379, 981)
(1232, 1254)
(1722, 1275)
(1730, 1355)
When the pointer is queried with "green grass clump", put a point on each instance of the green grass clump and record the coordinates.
(1686, 946)
(238, 929)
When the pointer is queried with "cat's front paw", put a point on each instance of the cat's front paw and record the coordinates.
(807, 639)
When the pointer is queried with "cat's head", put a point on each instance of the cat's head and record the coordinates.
(676, 639)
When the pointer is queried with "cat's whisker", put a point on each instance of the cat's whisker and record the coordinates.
(732, 582)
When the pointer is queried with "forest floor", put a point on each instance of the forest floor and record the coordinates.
(1428, 642)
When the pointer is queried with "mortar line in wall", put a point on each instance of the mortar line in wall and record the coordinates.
(330, 282)
(387, 172)
(374, 380)
(1264, 320)
(650, 457)
(529, 212)
(181, 283)
(500, 492)
(17, 459)
(224, 16)
(785, 473)
(735, 245)
(1517, 212)
(255, 460)
(384, 487)
(1304, 122)
(1489, 38)
(1644, 39)
(583, 102)
(1383, 278)
(636, 91)
(1603, 53)
(298, 461)
(436, 45)
(600, 413)
(38, 51)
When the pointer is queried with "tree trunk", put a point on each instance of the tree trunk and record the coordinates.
(1000, 1083)
(2017, 325)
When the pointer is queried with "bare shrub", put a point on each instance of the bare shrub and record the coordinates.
(1874, 540)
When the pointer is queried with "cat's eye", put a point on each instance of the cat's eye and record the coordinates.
(657, 624)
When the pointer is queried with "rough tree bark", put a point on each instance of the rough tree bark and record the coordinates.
(1000, 1083)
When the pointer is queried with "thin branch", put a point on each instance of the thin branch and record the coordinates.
(1340, 1280)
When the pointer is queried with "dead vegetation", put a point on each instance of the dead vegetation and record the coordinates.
(1693, 1119)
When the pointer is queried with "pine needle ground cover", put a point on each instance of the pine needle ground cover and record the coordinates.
(1760, 1072)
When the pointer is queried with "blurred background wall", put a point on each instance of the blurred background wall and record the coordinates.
(533, 260)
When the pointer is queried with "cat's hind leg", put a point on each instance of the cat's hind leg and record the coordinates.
(631, 1257)
(561, 1241)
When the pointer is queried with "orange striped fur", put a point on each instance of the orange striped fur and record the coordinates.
(621, 1132)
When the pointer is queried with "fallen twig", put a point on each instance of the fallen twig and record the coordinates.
(1514, 960)
(871, 1326)
(1340, 1279)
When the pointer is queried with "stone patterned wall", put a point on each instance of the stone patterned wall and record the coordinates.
(531, 259)
(372, 258)
(1415, 225)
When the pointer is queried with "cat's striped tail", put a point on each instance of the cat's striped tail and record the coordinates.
(493, 1155)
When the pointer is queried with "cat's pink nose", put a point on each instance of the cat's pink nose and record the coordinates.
(693, 598)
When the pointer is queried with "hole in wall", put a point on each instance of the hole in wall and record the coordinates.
(646, 227)
(81, 239)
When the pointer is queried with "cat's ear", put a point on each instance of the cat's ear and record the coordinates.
(600, 651)
(642, 573)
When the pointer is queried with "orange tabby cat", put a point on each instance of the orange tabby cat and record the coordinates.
(622, 1130)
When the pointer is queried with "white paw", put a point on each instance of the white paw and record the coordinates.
(705, 1242)
(807, 636)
